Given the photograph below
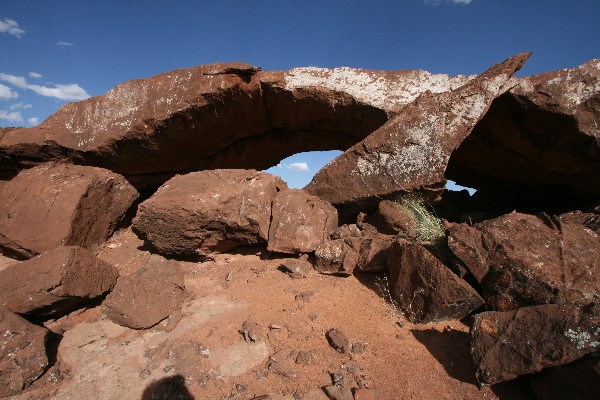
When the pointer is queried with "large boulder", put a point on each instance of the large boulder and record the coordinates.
(208, 212)
(411, 151)
(145, 298)
(522, 260)
(300, 222)
(579, 381)
(22, 353)
(56, 282)
(424, 288)
(506, 345)
(57, 204)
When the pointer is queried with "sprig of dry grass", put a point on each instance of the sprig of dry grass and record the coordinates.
(427, 225)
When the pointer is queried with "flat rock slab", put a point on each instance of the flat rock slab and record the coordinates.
(58, 204)
(22, 353)
(506, 345)
(146, 297)
(56, 282)
(209, 212)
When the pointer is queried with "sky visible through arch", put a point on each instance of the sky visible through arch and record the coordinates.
(55, 52)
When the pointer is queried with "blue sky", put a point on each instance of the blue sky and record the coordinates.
(53, 52)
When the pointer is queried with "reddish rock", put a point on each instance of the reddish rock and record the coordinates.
(425, 289)
(580, 381)
(146, 297)
(523, 260)
(391, 218)
(372, 250)
(22, 353)
(590, 220)
(411, 151)
(506, 345)
(58, 204)
(336, 257)
(56, 282)
(209, 211)
(338, 340)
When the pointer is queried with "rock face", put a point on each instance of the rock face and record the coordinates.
(523, 260)
(578, 381)
(392, 219)
(56, 282)
(411, 151)
(336, 257)
(61, 205)
(506, 345)
(208, 211)
(147, 297)
(425, 289)
(300, 222)
(22, 353)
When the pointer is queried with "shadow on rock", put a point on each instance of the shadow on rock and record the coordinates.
(169, 388)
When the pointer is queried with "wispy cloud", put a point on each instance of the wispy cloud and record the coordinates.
(438, 2)
(7, 93)
(19, 106)
(13, 117)
(11, 27)
(33, 121)
(69, 92)
(297, 166)
(64, 44)
(35, 75)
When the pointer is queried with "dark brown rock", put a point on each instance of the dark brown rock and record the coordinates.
(146, 297)
(300, 222)
(372, 250)
(579, 381)
(338, 392)
(409, 152)
(523, 260)
(208, 212)
(22, 353)
(391, 218)
(425, 289)
(296, 268)
(60, 204)
(335, 257)
(251, 331)
(506, 345)
(56, 282)
(338, 340)
(346, 231)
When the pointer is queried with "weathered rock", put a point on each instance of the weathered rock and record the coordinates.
(60, 204)
(208, 211)
(372, 250)
(338, 340)
(146, 297)
(296, 268)
(392, 219)
(523, 260)
(56, 282)
(411, 151)
(22, 353)
(335, 257)
(300, 222)
(346, 231)
(506, 345)
(251, 331)
(590, 220)
(425, 289)
(579, 381)
(338, 392)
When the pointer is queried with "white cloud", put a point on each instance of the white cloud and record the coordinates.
(462, 1)
(438, 2)
(14, 116)
(19, 106)
(35, 75)
(33, 121)
(70, 92)
(64, 44)
(7, 93)
(297, 166)
(11, 27)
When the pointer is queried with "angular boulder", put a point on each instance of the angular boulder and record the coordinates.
(56, 282)
(425, 289)
(335, 257)
(411, 151)
(506, 345)
(145, 298)
(392, 219)
(208, 212)
(22, 353)
(57, 204)
(522, 260)
(300, 222)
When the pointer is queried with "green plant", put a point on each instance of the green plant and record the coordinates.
(427, 225)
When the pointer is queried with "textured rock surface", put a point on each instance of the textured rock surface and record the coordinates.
(578, 381)
(335, 257)
(300, 222)
(146, 297)
(56, 282)
(22, 353)
(506, 345)
(58, 204)
(523, 260)
(209, 211)
(425, 289)
(411, 151)
(392, 219)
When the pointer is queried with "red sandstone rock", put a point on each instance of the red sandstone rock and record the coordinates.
(335, 257)
(208, 211)
(60, 204)
(425, 289)
(22, 353)
(56, 282)
(146, 297)
(300, 222)
(391, 218)
(506, 345)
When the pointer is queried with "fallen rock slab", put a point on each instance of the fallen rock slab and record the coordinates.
(336, 257)
(57, 204)
(425, 289)
(506, 345)
(22, 353)
(56, 282)
(208, 212)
